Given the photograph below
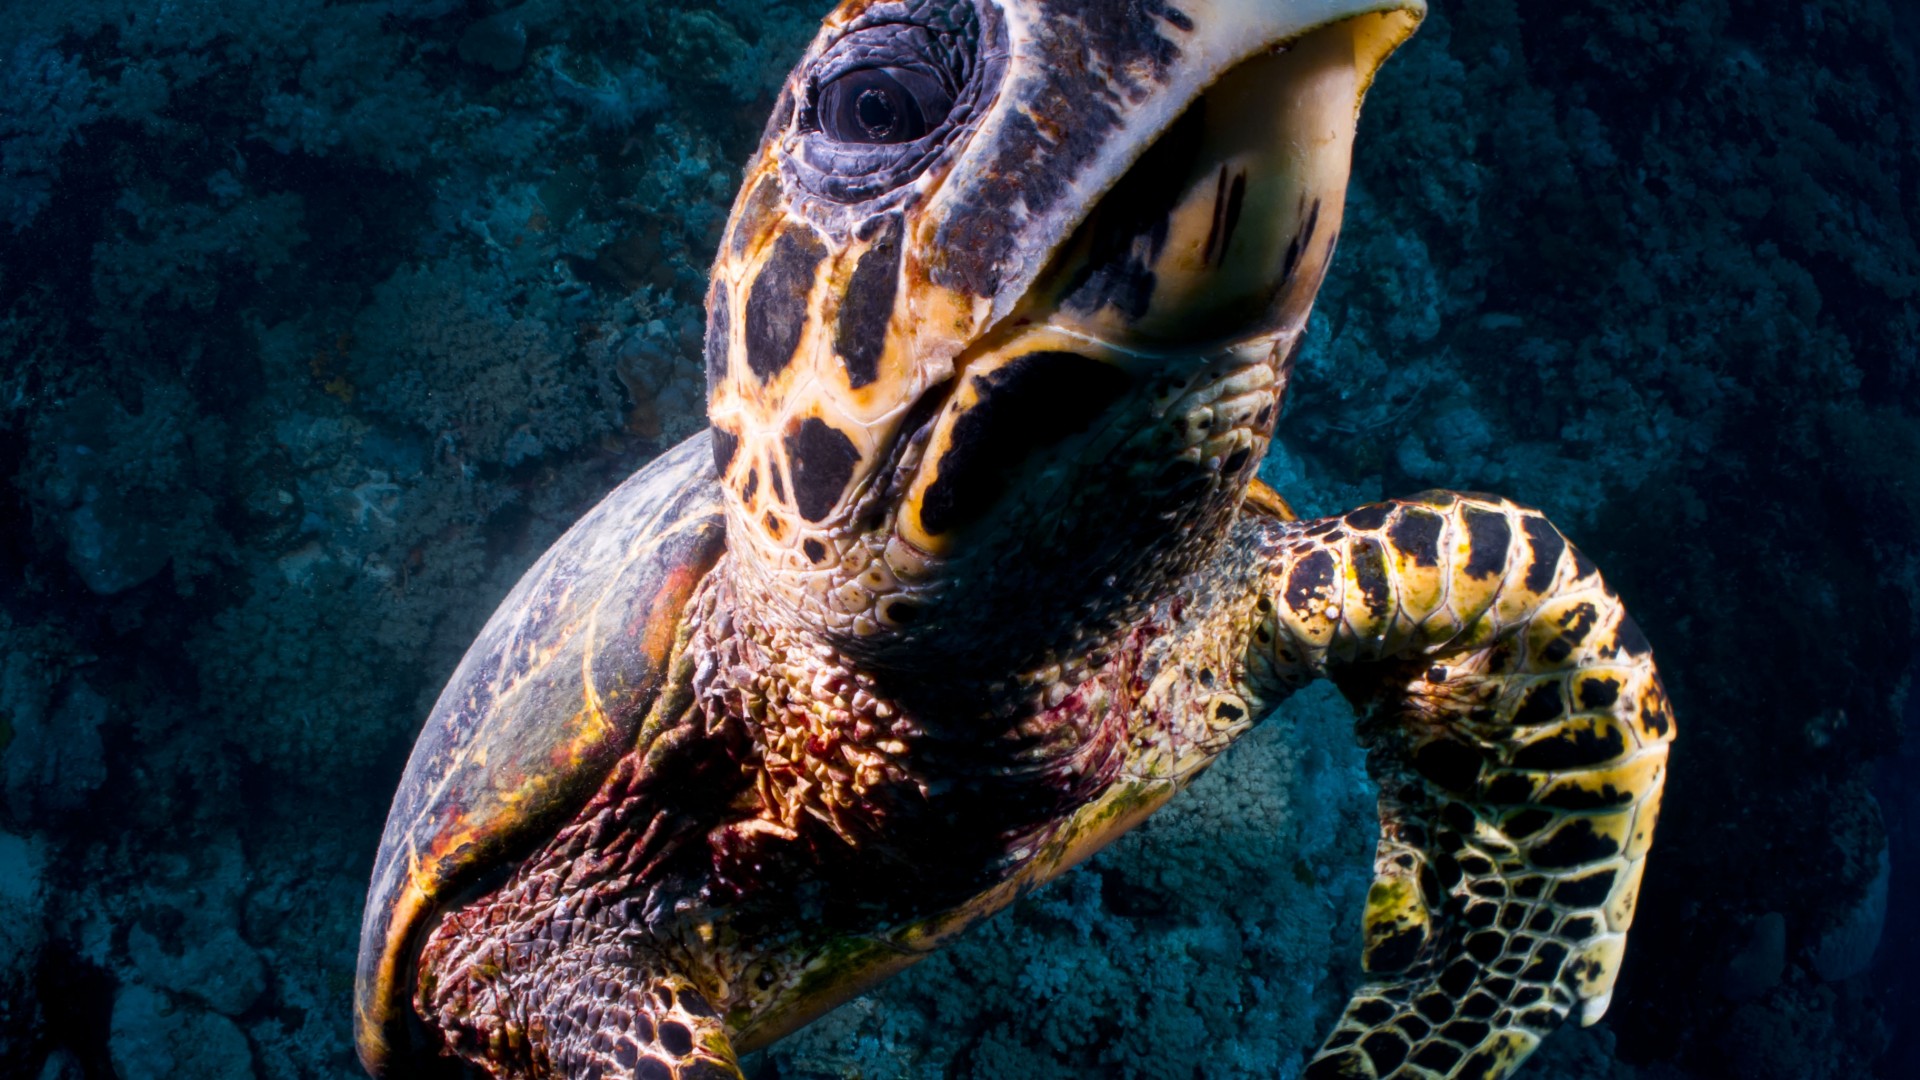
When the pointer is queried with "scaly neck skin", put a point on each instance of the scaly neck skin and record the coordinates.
(847, 764)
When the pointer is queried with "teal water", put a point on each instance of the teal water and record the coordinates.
(319, 321)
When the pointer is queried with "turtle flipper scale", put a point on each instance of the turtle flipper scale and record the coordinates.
(1518, 732)
(603, 1008)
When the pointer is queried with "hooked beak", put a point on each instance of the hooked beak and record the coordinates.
(1203, 235)
(1264, 89)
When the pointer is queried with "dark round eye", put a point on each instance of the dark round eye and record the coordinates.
(882, 105)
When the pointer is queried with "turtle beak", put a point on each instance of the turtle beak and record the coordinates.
(1219, 235)
(1226, 126)
(1208, 215)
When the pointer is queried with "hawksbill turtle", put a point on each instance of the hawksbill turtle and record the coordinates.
(971, 572)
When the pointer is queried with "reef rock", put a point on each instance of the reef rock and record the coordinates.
(157, 1038)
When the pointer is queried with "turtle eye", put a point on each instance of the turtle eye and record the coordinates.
(881, 106)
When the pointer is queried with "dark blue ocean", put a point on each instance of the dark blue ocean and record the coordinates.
(320, 320)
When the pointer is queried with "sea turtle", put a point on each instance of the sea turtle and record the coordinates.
(971, 573)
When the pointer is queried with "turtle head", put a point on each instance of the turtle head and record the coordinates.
(1000, 324)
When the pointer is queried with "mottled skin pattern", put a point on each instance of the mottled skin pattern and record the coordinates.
(971, 574)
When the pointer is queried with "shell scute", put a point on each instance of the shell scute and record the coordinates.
(549, 696)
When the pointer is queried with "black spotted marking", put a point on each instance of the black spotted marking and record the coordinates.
(860, 332)
(1512, 917)
(774, 528)
(777, 307)
(1236, 202)
(625, 1053)
(1527, 995)
(816, 551)
(1396, 951)
(1373, 1012)
(1524, 824)
(1630, 638)
(1032, 402)
(719, 331)
(1574, 844)
(1580, 927)
(1598, 693)
(1228, 711)
(1435, 1007)
(1541, 705)
(1466, 1033)
(1452, 765)
(1480, 916)
(1413, 1027)
(725, 445)
(1458, 979)
(653, 1069)
(1481, 1006)
(751, 487)
(822, 460)
(1578, 622)
(1578, 746)
(1458, 818)
(756, 213)
(1236, 461)
(1486, 945)
(1310, 579)
(1488, 537)
(1416, 535)
(1572, 796)
(1439, 1057)
(1368, 518)
(1386, 1049)
(1654, 718)
(1547, 545)
(1370, 573)
(1219, 212)
(778, 485)
(1507, 788)
(903, 612)
(1583, 567)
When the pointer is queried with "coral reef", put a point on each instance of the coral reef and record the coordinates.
(319, 319)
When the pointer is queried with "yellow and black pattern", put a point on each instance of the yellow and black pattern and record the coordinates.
(1518, 732)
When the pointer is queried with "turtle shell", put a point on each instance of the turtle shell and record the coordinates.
(546, 700)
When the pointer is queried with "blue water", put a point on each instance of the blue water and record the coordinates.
(319, 321)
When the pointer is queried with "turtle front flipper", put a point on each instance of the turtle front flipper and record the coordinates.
(1518, 733)
(603, 1006)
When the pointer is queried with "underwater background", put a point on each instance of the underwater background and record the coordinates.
(320, 320)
